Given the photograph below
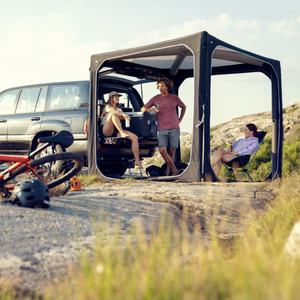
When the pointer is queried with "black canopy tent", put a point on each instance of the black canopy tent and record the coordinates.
(199, 56)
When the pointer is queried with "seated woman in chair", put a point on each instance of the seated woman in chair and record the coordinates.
(110, 119)
(245, 146)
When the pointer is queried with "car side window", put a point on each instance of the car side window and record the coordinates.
(7, 101)
(41, 101)
(27, 100)
(63, 97)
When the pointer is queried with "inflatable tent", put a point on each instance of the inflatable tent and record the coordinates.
(199, 56)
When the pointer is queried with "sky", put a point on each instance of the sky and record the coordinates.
(46, 41)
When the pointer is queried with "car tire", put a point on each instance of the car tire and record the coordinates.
(49, 150)
(113, 169)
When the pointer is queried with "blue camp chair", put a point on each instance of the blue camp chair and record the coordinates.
(239, 163)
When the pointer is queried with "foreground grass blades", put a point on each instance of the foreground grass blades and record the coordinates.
(175, 264)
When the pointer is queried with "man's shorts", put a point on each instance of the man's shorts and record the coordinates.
(168, 137)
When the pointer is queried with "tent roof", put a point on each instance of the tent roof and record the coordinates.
(221, 57)
(178, 54)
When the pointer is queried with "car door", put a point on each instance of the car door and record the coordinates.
(26, 120)
(7, 104)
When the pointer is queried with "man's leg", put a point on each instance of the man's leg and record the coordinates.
(169, 160)
(172, 154)
(173, 145)
(163, 142)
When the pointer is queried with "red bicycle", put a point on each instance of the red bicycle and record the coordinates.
(53, 169)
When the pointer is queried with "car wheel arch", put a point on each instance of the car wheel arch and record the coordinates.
(38, 135)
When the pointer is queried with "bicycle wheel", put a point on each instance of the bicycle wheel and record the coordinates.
(54, 169)
(49, 150)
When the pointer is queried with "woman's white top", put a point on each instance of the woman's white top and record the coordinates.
(104, 117)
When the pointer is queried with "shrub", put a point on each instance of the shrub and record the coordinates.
(185, 154)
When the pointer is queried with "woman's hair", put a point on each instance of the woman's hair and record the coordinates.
(167, 81)
(256, 133)
(110, 101)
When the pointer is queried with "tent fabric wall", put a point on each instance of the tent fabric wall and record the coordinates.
(205, 49)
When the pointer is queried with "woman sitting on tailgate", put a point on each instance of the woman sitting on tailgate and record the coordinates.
(110, 119)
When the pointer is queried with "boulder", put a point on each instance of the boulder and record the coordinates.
(292, 246)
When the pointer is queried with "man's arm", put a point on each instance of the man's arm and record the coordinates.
(183, 109)
(144, 109)
(151, 109)
(148, 107)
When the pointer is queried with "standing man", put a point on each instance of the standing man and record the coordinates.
(167, 121)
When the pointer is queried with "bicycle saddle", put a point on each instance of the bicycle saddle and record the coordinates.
(63, 138)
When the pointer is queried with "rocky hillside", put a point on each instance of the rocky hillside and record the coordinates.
(228, 132)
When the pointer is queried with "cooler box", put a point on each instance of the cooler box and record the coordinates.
(143, 124)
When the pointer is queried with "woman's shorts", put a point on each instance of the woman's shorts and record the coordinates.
(168, 138)
(115, 133)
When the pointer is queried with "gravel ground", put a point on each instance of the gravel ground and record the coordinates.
(38, 244)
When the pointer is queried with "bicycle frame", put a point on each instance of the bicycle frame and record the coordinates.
(27, 163)
(19, 161)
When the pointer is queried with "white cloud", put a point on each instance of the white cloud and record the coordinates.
(60, 16)
(222, 26)
(73, 4)
(223, 21)
(286, 27)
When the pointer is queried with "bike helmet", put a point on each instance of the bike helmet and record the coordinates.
(31, 193)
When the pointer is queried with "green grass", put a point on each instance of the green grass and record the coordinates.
(185, 154)
(291, 154)
(174, 264)
(87, 180)
(293, 109)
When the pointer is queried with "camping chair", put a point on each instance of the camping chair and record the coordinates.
(239, 163)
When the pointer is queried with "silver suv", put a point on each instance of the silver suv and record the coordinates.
(30, 112)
